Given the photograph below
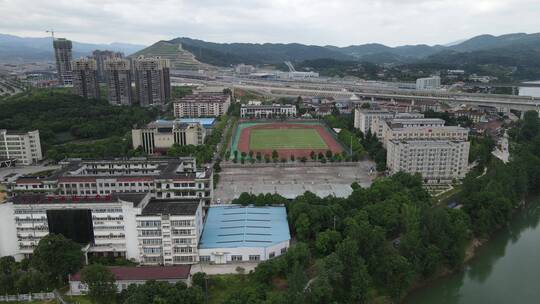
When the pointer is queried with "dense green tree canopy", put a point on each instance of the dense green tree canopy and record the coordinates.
(101, 283)
(57, 257)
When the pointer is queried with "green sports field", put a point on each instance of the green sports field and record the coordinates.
(265, 139)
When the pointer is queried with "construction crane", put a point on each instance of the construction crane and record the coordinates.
(52, 33)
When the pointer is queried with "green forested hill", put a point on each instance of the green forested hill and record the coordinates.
(62, 117)
(225, 54)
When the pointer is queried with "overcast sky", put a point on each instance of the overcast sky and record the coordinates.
(321, 22)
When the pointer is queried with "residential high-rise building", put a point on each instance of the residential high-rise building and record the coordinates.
(62, 54)
(101, 57)
(24, 147)
(152, 80)
(118, 72)
(85, 82)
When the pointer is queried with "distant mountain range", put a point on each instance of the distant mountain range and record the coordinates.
(512, 54)
(15, 49)
(227, 54)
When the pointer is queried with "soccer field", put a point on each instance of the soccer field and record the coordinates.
(265, 139)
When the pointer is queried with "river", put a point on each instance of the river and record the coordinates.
(505, 270)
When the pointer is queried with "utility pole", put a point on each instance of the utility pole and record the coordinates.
(52, 33)
(350, 147)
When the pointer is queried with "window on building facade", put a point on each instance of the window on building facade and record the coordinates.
(254, 257)
(236, 258)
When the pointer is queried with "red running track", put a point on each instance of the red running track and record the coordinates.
(333, 145)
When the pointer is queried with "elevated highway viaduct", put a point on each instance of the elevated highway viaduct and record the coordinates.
(504, 103)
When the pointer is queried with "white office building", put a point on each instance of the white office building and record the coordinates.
(203, 104)
(158, 136)
(370, 119)
(24, 147)
(169, 232)
(244, 69)
(106, 224)
(428, 83)
(132, 226)
(438, 161)
(267, 111)
(426, 146)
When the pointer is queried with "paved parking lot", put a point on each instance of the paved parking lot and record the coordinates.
(292, 181)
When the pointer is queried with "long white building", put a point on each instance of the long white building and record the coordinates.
(158, 136)
(267, 111)
(132, 226)
(24, 147)
(163, 178)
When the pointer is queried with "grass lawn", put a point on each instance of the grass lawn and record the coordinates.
(275, 139)
(78, 299)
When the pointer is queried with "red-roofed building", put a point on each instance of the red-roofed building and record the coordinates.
(126, 276)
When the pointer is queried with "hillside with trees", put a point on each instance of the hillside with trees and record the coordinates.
(72, 126)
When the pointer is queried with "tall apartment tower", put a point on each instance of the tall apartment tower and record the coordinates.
(118, 71)
(62, 54)
(85, 82)
(152, 80)
(101, 57)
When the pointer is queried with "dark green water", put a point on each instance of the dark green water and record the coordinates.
(506, 270)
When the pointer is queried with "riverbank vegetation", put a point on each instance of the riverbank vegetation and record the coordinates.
(490, 199)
